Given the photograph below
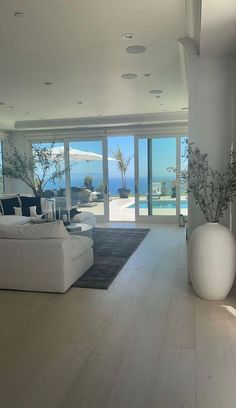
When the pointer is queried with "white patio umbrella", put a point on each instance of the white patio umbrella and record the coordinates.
(79, 155)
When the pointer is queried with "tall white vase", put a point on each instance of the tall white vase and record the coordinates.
(212, 261)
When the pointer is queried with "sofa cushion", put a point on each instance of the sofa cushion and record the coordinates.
(13, 220)
(80, 245)
(31, 202)
(35, 231)
(7, 205)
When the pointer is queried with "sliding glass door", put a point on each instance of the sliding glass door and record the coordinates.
(82, 175)
(88, 176)
(154, 193)
(159, 191)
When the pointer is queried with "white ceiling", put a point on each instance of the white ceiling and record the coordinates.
(77, 45)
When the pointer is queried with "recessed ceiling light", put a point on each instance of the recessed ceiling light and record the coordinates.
(157, 96)
(136, 49)
(48, 83)
(2, 103)
(155, 91)
(79, 102)
(161, 104)
(27, 113)
(147, 74)
(128, 36)
(129, 76)
(10, 106)
(19, 14)
(185, 108)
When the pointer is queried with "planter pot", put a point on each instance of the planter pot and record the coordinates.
(212, 261)
(123, 192)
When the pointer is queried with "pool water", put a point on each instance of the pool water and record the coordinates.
(162, 204)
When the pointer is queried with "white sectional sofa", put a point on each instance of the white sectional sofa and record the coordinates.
(42, 257)
(46, 206)
(14, 220)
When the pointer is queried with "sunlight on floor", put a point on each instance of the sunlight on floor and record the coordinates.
(230, 309)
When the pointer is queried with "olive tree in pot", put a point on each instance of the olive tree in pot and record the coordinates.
(37, 170)
(212, 245)
(122, 164)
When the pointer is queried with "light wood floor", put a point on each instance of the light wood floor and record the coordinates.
(147, 342)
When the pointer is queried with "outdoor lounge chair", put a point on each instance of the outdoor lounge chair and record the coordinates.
(156, 190)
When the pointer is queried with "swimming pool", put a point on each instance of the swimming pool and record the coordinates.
(162, 204)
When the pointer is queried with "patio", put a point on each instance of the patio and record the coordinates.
(121, 210)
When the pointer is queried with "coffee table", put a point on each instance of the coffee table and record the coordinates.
(77, 228)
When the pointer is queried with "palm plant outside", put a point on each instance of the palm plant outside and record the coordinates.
(122, 164)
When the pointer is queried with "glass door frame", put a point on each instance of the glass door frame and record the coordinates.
(103, 139)
(157, 218)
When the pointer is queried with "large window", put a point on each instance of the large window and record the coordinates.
(86, 175)
(1, 176)
(161, 189)
(53, 188)
(152, 187)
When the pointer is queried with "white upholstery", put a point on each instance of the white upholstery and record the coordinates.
(13, 220)
(79, 245)
(86, 218)
(34, 231)
(47, 265)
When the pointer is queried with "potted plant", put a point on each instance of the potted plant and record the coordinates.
(212, 245)
(122, 164)
(88, 182)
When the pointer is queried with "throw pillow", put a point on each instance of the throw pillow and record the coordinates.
(31, 202)
(26, 211)
(7, 205)
(17, 210)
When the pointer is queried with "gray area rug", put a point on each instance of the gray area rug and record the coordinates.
(112, 249)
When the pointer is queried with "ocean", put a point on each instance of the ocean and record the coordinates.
(114, 183)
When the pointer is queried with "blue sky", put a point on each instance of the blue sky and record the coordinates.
(164, 155)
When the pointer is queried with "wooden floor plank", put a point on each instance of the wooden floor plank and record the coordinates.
(175, 380)
(215, 367)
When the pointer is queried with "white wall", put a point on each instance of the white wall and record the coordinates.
(234, 134)
(211, 83)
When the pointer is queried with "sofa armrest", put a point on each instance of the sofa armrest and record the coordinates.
(39, 264)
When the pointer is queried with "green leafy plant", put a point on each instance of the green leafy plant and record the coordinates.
(213, 190)
(37, 170)
(88, 181)
(122, 164)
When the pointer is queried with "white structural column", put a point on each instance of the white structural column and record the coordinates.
(211, 113)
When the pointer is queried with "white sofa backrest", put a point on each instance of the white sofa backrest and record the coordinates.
(36, 231)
